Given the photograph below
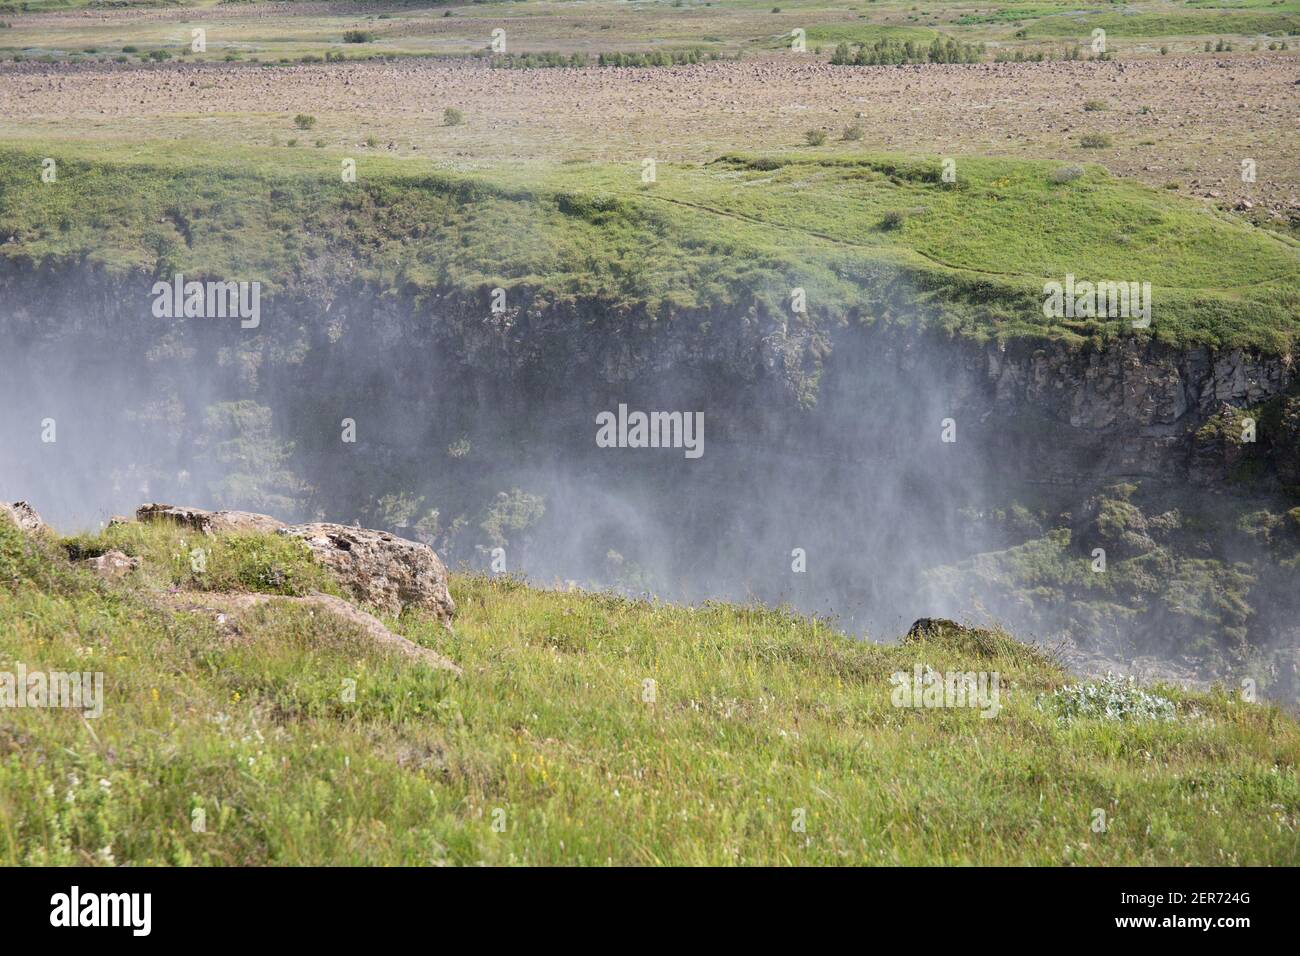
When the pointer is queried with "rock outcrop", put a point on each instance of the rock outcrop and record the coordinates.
(380, 569)
(1056, 412)
(208, 522)
(111, 565)
(23, 515)
(227, 608)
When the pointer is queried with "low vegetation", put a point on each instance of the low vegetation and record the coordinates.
(886, 52)
(586, 728)
(1210, 578)
(554, 60)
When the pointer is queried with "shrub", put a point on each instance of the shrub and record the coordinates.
(892, 220)
(1111, 698)
(452, 116)
(887, 52)
(1066, 174)
(158, 55)
(358, 36)
(304, 121)
(1095, 141)
(852, 133)
(814, 137)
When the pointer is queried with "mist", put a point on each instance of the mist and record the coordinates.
(483, 443)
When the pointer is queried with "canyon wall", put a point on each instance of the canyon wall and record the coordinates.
(889, 461)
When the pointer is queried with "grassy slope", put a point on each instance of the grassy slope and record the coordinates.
(758, 714)
(972, 257)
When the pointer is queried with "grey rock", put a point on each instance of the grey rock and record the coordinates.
(381, 569)
(208, 522)
(24, 516)
(112, 565)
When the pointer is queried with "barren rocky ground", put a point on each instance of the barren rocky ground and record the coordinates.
(1176, 122)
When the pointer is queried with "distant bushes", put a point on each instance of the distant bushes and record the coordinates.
(539, 61)
(1095, 141)
(1020, 56)
(891, 52)
(1069, 53)
(658, 58)
(358, 36)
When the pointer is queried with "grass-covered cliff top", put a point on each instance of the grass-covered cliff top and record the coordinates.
(585, 728)
(869, 236)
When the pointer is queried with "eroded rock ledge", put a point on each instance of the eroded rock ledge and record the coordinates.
(377, 568)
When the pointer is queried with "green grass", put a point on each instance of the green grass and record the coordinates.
(1152, 25)
(180, 558)
(757, 715)
(713, 238)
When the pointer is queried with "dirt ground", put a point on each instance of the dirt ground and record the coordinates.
(1188, 121)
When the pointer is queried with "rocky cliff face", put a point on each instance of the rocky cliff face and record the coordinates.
(1062, 414)
(1132, 407)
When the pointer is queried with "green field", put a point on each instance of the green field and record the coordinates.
(553, 748)
(868, 235)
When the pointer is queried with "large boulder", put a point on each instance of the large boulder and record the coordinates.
(208, 522)
(381, 569)
(23, 515)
